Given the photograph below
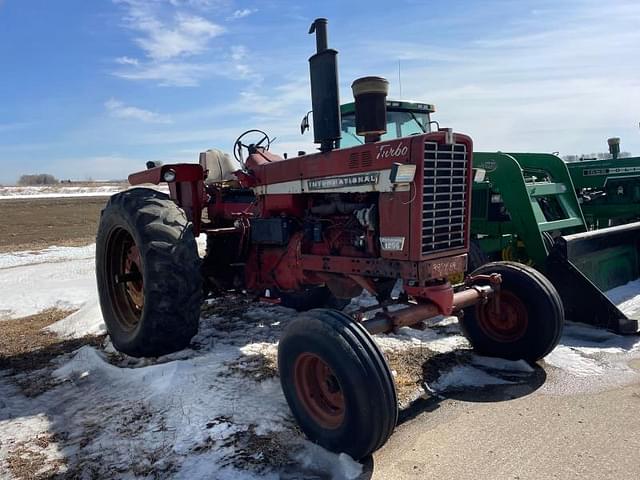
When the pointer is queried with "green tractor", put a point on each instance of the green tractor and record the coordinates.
(608, 190)
(525, 209)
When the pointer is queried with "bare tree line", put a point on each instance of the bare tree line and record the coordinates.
(37, 179)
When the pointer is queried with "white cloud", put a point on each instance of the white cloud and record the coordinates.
(241, 67)
(238, 52)
(118, 109)
(241, 13)
(185, 35)
(196, 3)
(168, 33)
(127, 61)
(565, 84)
(170, 74)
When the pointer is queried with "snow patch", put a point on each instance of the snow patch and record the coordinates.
(21, 426)
(465, 376)
(571, 361)
(449, 340)
(590, 359)
(501, 364)
(59, 191)
(47, 255)
(626, 297)
(61, 277)
(86, 321)
(340, 466)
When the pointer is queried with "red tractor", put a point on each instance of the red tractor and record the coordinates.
(314, 231)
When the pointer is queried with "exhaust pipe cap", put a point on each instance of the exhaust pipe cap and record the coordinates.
(614, 147)
(370, 94)
(365, 85)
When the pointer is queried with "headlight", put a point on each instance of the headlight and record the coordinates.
(169, 176)
(402, 173)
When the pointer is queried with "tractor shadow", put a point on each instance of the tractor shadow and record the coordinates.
(461, 375)
(31, 370)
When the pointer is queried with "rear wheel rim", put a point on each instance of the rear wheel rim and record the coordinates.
(319, 390)
(124, 274)
(510, 324)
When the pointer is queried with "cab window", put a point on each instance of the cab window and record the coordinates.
(399, 124)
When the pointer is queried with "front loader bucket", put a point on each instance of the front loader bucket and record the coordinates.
(584, 266)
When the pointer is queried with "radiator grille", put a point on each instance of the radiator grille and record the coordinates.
(444, 197)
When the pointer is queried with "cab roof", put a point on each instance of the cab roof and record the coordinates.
(397, 105)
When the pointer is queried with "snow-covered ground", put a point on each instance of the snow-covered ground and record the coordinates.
(216, 410)
(61, 191)
(60, 277)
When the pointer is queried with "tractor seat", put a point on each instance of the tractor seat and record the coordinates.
(219, 165)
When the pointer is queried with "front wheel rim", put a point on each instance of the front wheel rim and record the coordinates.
(510, 324)
(319, 390)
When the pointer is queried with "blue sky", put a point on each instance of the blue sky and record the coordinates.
(93, 89)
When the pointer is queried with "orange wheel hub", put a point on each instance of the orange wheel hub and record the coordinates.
(508, 323)
(319, 390)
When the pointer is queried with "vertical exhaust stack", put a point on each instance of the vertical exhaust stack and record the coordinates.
(614, 147)
(325, 98)
(370, 94)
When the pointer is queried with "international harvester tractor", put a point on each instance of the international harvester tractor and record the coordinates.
(314, 231)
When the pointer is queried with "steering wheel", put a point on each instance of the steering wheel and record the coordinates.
(238, 145)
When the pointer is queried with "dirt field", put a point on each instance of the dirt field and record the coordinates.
(39, 223)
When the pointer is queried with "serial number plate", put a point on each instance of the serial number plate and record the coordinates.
(448, 266)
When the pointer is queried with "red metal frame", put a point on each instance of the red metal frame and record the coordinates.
(299, 263)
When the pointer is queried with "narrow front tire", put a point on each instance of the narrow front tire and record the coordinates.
(529, 321)
(337, 383)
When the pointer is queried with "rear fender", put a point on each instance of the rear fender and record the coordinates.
(187, 189)
(185, 172)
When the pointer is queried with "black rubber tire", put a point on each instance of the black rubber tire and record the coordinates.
(172, 284)
(371, 405)
(312, 297)
(476, 257)
(545, 313)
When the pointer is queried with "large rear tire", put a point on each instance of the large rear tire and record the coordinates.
(531, 317)
(148, 273)
(337, 383)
